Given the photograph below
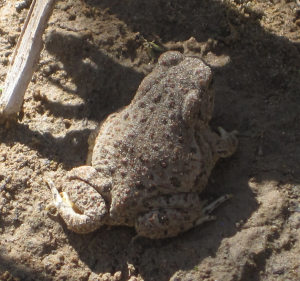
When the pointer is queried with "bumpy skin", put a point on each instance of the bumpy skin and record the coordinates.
(151, 160)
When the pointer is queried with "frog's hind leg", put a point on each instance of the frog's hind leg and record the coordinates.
(82, 208)
(175, 214)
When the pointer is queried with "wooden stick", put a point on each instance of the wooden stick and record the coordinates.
(25, 57)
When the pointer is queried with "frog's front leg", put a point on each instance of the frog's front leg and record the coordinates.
(227, 143)
(169, 220)
(81, 206)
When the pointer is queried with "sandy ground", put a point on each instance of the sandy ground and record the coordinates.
(96, 53)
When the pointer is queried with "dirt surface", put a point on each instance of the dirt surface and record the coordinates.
(96, 54)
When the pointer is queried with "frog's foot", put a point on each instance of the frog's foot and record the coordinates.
(175, 214)
(227, 144)
(215, 204)
(53, 206)
(83, 211)
(211, 207)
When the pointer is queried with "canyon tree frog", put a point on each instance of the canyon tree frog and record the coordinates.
(152, 159)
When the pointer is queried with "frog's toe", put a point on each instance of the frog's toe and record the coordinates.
(215, 204)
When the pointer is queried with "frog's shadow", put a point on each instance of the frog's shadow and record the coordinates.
(104, 84)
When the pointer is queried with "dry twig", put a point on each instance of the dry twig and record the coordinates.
(25, 57)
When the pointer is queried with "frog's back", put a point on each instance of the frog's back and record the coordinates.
(147, 148)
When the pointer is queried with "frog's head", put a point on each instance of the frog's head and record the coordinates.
(202, 76)
(190, 78)
(198, 102)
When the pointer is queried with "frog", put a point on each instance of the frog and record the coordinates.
(149, 163)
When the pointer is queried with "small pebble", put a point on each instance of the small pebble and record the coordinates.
(22, 5)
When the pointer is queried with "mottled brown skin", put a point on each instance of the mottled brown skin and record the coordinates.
(151, 160)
